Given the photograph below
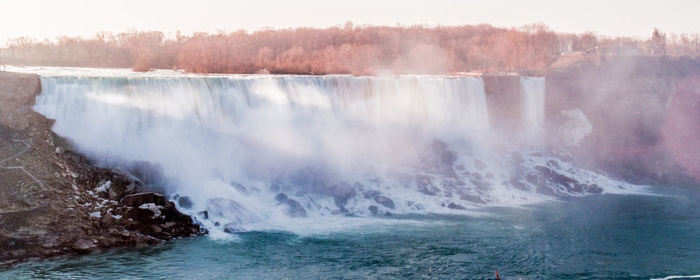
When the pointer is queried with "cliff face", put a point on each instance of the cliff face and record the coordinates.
(55, 202)
(628, 102)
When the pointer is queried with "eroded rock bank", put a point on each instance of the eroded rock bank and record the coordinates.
(55, 202)
(643, 113)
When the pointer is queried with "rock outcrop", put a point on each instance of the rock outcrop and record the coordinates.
(55, 202)
(628, 102)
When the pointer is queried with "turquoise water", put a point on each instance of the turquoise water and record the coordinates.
(597, 237)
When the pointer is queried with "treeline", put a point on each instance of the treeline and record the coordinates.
(348, 49)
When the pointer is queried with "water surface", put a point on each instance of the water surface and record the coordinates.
(596, 237)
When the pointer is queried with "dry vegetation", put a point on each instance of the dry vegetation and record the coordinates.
(348, 49)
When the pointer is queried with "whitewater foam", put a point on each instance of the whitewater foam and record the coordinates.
(335, 146)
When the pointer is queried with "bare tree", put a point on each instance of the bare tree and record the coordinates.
(658, 42)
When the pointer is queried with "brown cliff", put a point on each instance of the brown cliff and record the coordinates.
(55, 202)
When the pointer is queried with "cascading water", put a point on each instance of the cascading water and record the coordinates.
(532, 102)
(257, 151)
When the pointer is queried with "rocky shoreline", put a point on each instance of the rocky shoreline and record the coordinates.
(55, 202)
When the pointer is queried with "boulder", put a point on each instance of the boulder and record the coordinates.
(385, 201)
(184, 202)
(137, 199)
(370, 194)
(281, 197)
(594, 188)
(292, 207)
(425, 185)
(145, 214)
(204, 214)
(116, 191)
(342, 192)
(456, 206)
(373, 209)
(83, 246)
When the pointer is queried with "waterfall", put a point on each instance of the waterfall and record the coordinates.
(258, 150)
(532, 102)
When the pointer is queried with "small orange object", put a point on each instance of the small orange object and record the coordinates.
(496, 271)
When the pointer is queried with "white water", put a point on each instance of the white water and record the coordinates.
(232, 143)
(532, 103)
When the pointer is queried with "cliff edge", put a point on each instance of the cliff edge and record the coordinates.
(55, 202)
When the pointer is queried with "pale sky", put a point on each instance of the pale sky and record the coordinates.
(48, 19)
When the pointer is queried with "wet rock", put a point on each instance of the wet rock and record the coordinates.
(518, 184)
(204, 214)
(154, 208)
(184, 202)
(557, 179)
(292, 207)
(593, 188)
(106, 242)
(233, 228)
(143, 214)
(373, 209)
(240, 188)
(280, 197)
(230, 210)
(107, 221)
(340, 201)
(448, 171)
(155, 229)
(456, 206)
(370, 194)
(531, 178)
(543, 189)
(446, 156)
(83, 246)
(472, 198)
(553, 164)
(480, 185)
(429, 189)
(425, 185)
(137, 199)
(385, 201)
(342, 193)
(116, 190)
(423, 180)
